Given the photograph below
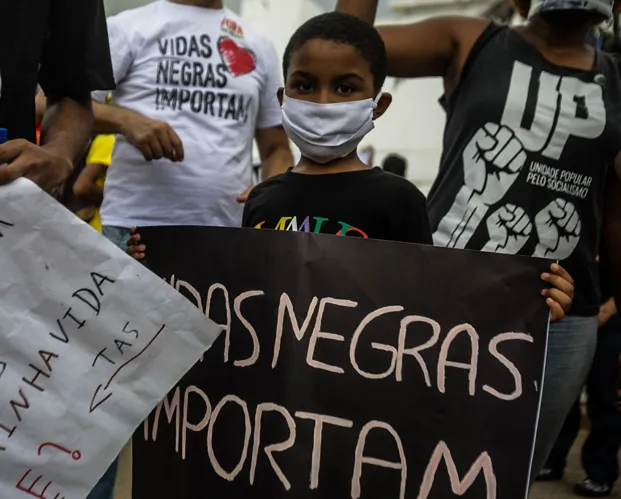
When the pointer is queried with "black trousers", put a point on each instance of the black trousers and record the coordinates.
(600, 451)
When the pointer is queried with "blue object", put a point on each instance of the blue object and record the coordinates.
(4, 135)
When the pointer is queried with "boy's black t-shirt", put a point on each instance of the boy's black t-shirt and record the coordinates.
(368, 203)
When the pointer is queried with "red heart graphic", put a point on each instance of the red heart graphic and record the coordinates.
(238, 60)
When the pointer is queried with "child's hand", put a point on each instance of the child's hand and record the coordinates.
(134, 249)
(559, 297)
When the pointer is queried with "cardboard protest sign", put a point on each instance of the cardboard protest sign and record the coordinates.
(348, 368)
(90, 342)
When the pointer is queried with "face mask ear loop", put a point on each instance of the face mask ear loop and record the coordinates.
(377, 99)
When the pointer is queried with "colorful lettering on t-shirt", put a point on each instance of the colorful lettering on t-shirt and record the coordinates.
(314, 225)
(232, 28)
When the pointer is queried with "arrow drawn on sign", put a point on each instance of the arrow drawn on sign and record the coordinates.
(96, 403)
(2, 368)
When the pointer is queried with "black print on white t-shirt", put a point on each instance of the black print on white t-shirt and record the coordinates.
(191, 74)
(496, 159)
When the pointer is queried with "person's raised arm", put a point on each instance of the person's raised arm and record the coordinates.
(434, 47)
(365, 9)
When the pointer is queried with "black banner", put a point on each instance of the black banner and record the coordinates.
(349, 368)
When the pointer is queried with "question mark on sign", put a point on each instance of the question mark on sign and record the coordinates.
(76, 455)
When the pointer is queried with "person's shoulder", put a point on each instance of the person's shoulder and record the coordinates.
(267, 186)
(399, 187)
(140, 14)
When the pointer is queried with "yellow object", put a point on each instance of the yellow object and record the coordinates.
(100, 153)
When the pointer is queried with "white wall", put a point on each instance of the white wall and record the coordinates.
(114, 6)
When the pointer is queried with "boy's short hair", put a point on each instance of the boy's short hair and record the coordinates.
(346, 29)
(395, 164)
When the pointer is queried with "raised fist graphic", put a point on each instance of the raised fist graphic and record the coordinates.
(492, 161)
(558, 227)
(509, 229)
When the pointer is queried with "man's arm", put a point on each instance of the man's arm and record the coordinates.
(153, 138)
(434, 47)
(611, 247)
(274, 150)
(86, 186)
(271, 138)
(67, 126)
(365, 10)
(275, 155)
(65, 133)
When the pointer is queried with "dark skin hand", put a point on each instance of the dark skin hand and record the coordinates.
(62, 142)
(86, 186)
(561, 295)
(134, 249)
(155, 139)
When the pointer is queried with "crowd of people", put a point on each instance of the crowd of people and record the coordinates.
(169, 99)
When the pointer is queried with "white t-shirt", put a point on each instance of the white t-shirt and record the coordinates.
(212, 78)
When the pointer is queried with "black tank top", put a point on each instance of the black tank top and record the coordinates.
(527, 148)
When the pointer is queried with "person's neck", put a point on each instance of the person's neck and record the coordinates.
(350, 163)
(207, 4)
(556, 37)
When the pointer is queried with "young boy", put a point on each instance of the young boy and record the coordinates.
(334, 67)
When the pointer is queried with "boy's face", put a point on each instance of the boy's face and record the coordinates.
(326, 72)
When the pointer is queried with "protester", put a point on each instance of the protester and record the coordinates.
(600, 451)
(196, 84)
(396, 164)
(63, 46)
(532, 126)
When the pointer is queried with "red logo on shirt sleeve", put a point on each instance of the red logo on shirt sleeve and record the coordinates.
(238, 60)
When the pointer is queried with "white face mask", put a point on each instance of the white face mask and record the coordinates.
(325, 132)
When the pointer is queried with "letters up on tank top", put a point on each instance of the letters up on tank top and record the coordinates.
(527, 149)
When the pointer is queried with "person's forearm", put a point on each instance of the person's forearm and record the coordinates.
(279, 161)
(364, 9)
(94, 194)
(110, 119)
(67, 127)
